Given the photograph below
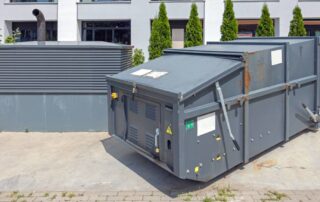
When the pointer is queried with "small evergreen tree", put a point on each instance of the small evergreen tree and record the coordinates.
(138, 57)
(155, 41)
(194, 33)
(160, 38)
(296, 25)
(265, 27)
(229, 27)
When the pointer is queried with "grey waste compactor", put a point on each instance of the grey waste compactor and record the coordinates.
(198, 112)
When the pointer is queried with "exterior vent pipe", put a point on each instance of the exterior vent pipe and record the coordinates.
(41, 25)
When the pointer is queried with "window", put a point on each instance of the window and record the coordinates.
(29, 30)
(312, 27)
(109, 31)
(247, 28)
(178, 29)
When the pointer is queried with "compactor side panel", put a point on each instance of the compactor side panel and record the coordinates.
(266, 122)
(302, 66)
(301, 62)
(266, 112)
(298, 117)
(208, 149)
(266, 68)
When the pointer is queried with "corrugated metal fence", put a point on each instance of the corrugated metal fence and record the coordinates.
(57, 86)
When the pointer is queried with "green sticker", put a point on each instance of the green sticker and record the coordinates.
(189, 124)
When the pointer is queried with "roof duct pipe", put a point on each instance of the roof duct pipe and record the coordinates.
(41, 25)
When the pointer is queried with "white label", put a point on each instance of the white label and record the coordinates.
(206, 124)
(276, 57)
(141, 72)
(156, 75)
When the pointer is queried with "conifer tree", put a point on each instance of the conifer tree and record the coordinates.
(296, 25)
(229, 27)
(160, 38)
(194, 32)
(265, 27)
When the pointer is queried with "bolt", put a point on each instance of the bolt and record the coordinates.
(241, 124)
(269, 132)
(251, 139)
(198, 141)
(200, 164)
(261, 136)
(188, 171)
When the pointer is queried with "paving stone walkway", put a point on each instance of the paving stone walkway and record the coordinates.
(225, 194)
(96, 167)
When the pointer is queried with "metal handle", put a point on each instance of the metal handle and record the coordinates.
(226, 116)
(156, 144)
(156, 141)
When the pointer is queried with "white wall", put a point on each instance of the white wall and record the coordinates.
(10, 12)
(213, 11)
(2, 24)
(67, 20)
(70, 14)
(281, 11)
(140, 13)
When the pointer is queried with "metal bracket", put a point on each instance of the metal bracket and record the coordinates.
(313, 117)
(226, 116)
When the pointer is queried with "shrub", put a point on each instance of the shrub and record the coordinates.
(12, 38)
(138, 57)
(296, 25)
(229, 27)
(194, 33)
(265, 27)
(160, 38)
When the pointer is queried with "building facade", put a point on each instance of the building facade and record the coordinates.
(129, 21)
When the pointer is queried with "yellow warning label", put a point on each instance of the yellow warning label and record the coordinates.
(169, 131)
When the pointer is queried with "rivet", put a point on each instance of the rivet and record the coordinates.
(200, 164)
(198, 141)
(269, 132)
(188, 171)
(261, 136)
(251, 139)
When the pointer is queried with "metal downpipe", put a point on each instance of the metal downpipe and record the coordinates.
(41, 25)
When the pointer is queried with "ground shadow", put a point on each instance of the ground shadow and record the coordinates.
(153, 174)
(160, 178)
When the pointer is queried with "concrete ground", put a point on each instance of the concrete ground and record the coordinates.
(84, 163)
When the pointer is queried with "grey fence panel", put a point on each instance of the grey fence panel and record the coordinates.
(59, 69)
(57, 87)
